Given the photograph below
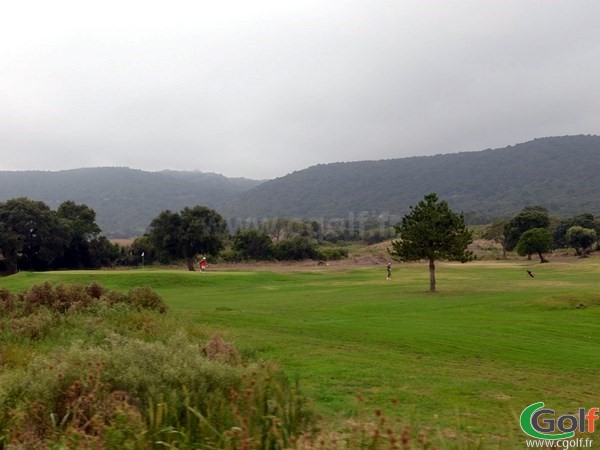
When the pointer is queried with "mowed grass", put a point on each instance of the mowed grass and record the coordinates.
(467, 359)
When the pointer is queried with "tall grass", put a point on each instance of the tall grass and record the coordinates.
(148, 394)
(125, 392)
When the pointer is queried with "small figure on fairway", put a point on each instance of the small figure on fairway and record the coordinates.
(202, 264)
(530, 273)
(389, 271)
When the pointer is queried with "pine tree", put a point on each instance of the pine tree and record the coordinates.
(432, 231)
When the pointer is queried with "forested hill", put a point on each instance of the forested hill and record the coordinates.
(559, 173)
(125, 200)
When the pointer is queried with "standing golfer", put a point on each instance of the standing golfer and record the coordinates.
(389, 271)
(203, 264)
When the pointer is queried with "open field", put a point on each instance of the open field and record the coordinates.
(465, 360)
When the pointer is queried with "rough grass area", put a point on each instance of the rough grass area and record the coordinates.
(457, 367)
(126, 382)
(571, 301)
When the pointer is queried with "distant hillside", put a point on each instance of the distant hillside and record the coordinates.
(125, 200)
(559, 173)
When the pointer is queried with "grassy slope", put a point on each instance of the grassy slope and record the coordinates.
(491, 342)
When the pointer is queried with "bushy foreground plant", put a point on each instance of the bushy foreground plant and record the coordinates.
(127, 393)
(34, 312)
(64, 298)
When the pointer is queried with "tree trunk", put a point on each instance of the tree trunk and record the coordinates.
(431, 275)
(12, 263)
(542, 259)
(503, 251)
(12, 267)
(190, 264)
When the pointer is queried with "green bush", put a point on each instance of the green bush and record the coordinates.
(296, 248)
(146, 298)
(333, 253)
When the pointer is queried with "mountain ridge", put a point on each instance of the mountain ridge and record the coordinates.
(559, 173)
(125, 200)
(487, 183)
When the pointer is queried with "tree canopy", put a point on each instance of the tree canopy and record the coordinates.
(34, 237)
(432, 231)
(581, 239)
(497, 232)
(530, 217)
(194, 231)
(536, 240)
(252, 244)
(585, 220)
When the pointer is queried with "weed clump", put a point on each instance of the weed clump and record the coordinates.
(68, 298)
(145, 298)
(216, 349)
(35, 312)
(34, 326)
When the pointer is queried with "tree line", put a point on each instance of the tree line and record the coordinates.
(200, 231)
(534, 232)
(35, 237)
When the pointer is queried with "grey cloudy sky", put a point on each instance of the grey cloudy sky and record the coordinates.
(262, 88)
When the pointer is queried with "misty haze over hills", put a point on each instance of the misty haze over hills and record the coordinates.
(559, 173)
(125, 200)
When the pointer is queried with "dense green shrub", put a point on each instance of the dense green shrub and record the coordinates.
(333, 253)
(252, 244)
(296, 248)
(146, 298)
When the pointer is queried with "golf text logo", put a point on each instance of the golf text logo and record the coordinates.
(541, 423)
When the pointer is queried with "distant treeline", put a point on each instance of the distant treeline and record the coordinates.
(35, 237)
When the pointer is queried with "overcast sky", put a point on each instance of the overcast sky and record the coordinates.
(261, 88)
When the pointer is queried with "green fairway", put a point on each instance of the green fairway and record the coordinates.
(469, 358)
